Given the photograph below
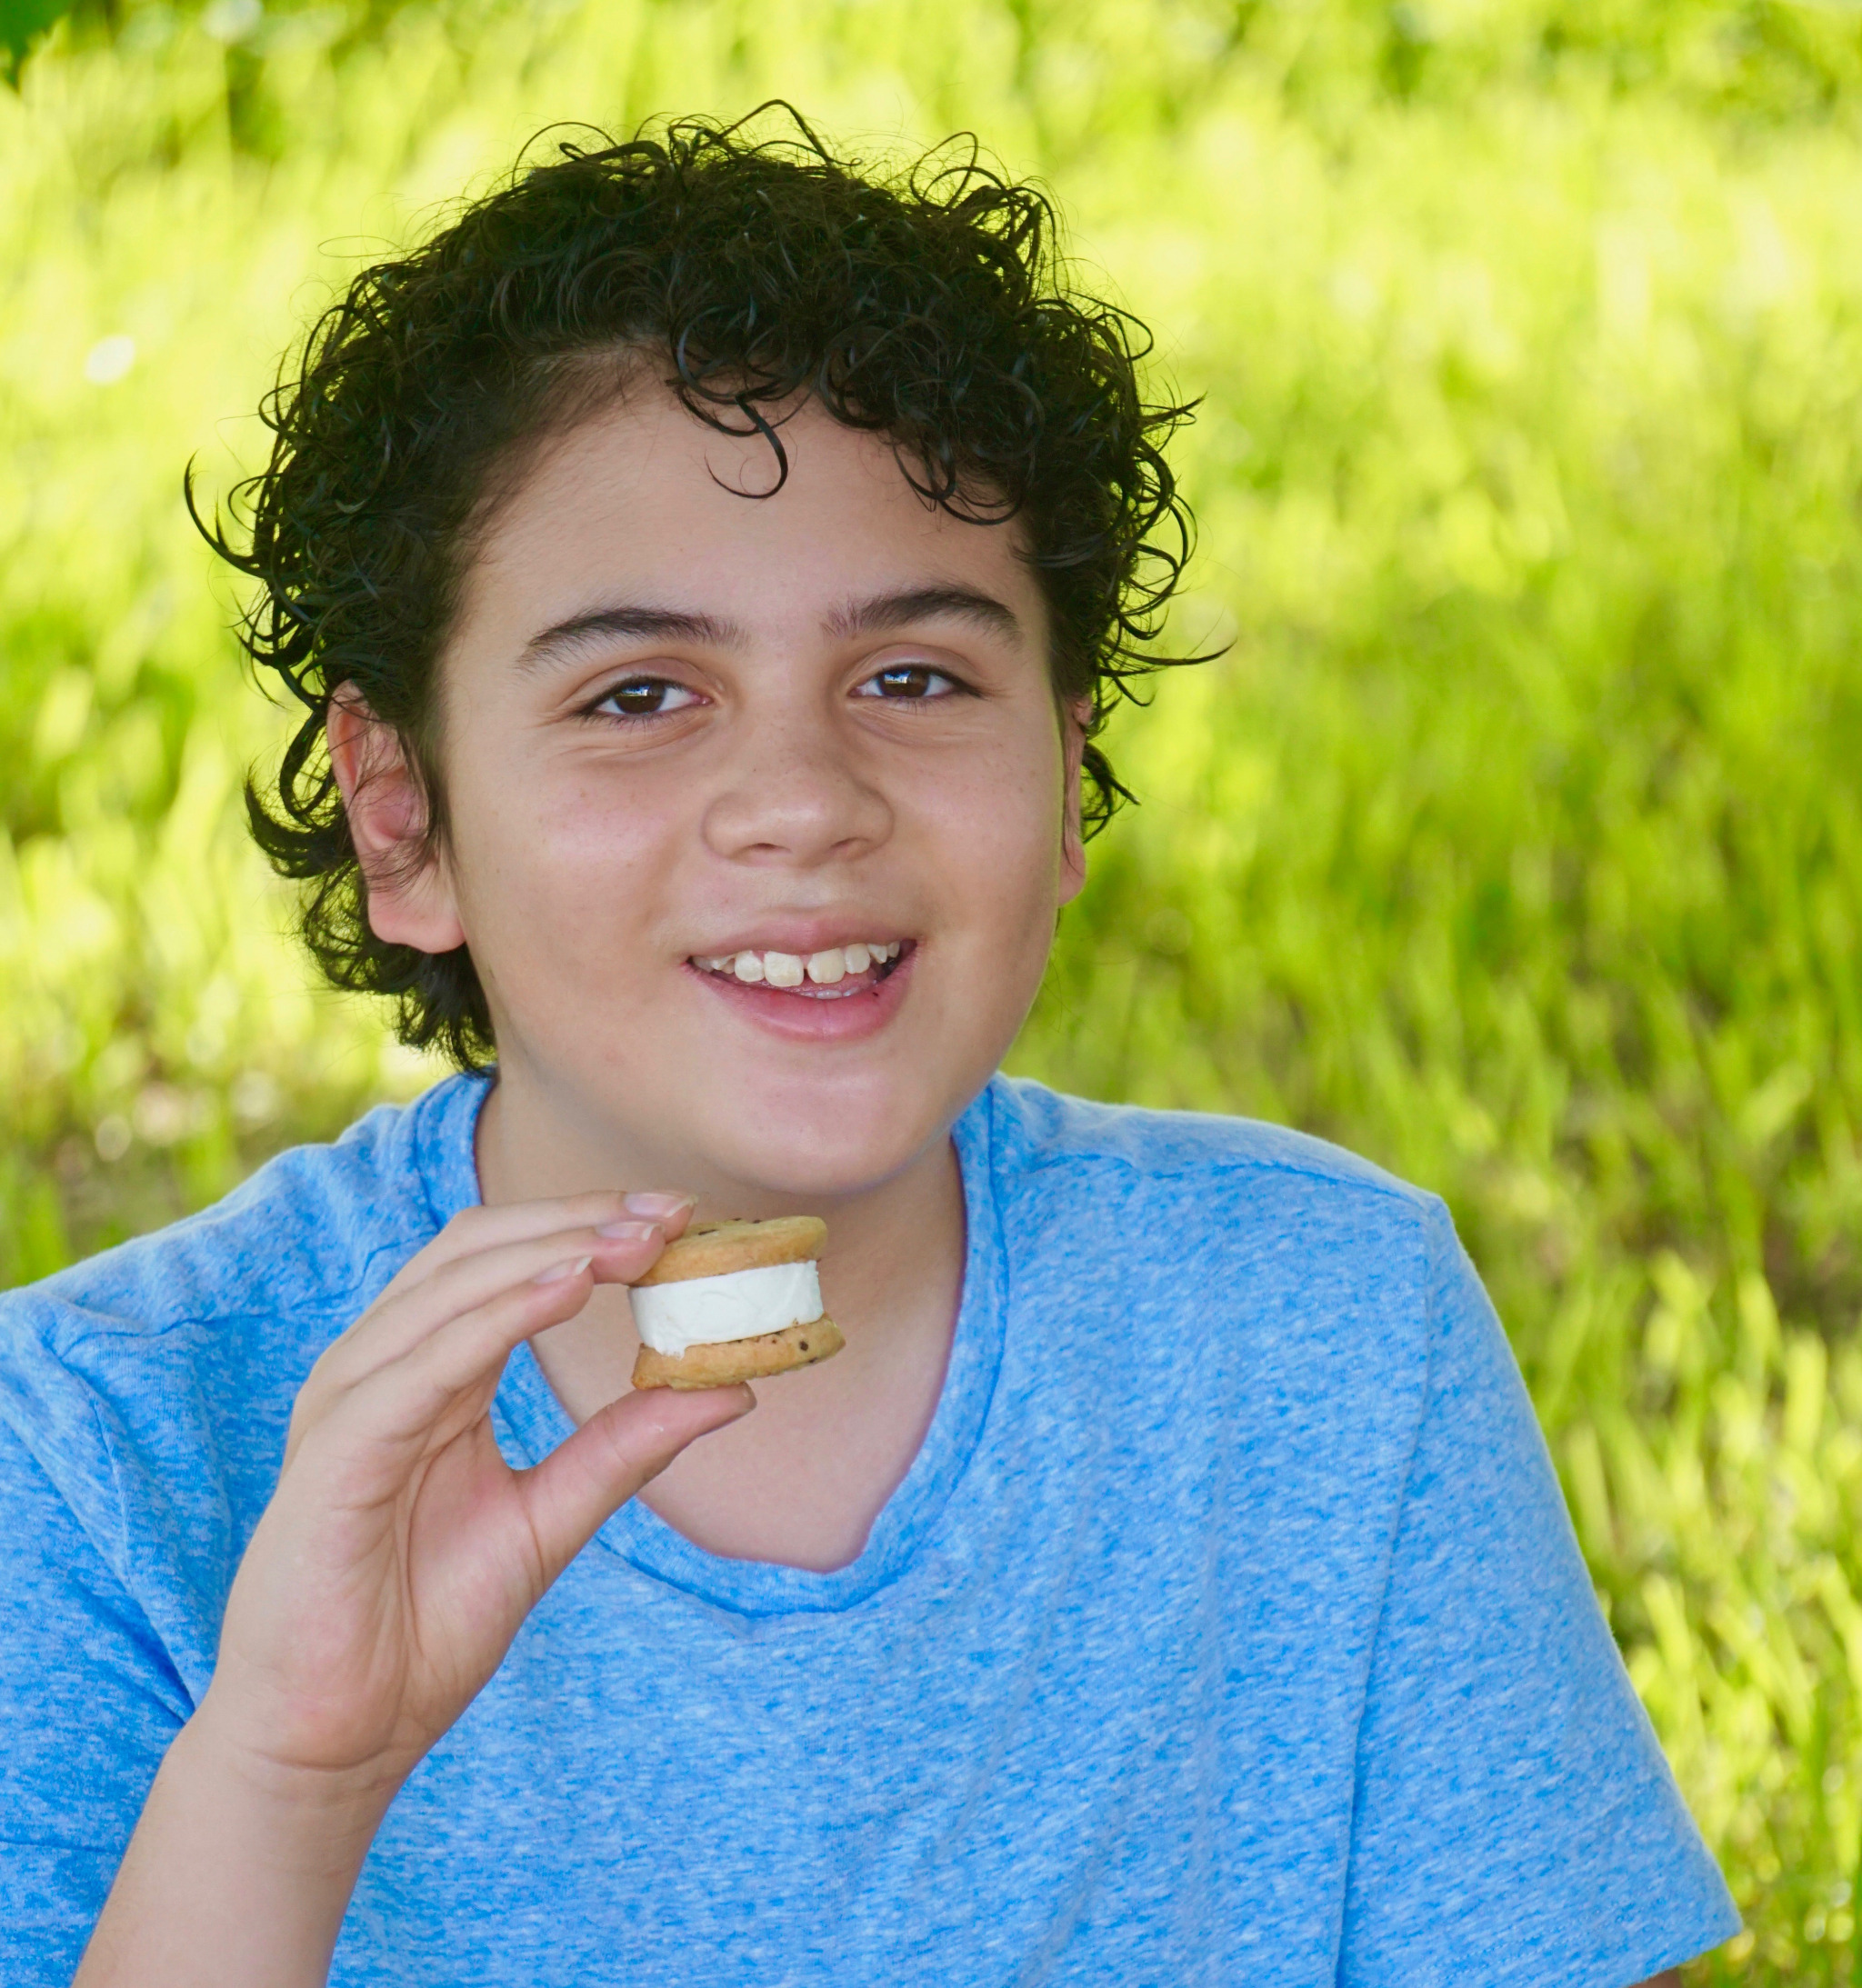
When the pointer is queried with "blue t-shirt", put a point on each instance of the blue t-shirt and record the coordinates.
(1228, 1628)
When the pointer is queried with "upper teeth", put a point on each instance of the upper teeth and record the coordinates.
(789, 969)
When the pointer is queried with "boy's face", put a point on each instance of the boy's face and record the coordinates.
(685, 731)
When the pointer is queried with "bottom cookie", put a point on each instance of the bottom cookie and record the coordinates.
(729, 1361)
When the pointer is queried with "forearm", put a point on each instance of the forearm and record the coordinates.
(232, 1879)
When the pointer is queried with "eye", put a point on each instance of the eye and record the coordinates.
(644, 697)
(908, 683)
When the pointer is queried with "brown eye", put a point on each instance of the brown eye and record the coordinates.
(646, 697)
(912, 681)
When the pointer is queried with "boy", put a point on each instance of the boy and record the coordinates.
(707, 569)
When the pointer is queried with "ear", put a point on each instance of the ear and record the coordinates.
(1075, 717)
(410, 899)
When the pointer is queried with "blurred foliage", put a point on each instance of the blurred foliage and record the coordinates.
(1517, 843)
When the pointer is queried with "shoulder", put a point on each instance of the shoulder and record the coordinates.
(1250, 1307)
(1210, 1230)
(1197, 1157)
(150, 1388)
(177, 1356)
(317, 1226)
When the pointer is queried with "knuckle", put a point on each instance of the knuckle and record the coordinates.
(596, 1205)
(312, 1397)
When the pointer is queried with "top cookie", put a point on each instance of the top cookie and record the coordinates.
(714, 1249)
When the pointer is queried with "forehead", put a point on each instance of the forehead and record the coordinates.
(644, 497)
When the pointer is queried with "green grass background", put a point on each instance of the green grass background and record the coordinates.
(1514, 844)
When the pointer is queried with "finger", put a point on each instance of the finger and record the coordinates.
(582, 1482)
(474, 1230)
(413, 1399)
(620, 1251)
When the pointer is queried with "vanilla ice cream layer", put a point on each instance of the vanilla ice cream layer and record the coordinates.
(740, 1304)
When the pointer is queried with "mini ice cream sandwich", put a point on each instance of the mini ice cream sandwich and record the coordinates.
(733, 1301)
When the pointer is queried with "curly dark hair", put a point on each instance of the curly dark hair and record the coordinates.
(927, 305)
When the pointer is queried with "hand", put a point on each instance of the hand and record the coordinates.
(400, 1552)
(381, 1589)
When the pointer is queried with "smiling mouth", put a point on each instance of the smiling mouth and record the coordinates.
(834, 974)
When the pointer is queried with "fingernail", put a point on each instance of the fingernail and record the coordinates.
(630, 1231)
(663, 1205)
(557, 1272)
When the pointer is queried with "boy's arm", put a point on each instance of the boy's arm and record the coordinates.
(1514, 1821)
(396, 1560)
(231, 1878)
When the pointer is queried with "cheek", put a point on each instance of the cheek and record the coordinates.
(568, 850)
(996, 823)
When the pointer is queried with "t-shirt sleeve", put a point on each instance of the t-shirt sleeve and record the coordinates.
(1515, 1821)
(88, 1704)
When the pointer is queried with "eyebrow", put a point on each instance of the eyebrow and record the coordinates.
(629, 624)
(883, 612)
(874, 615)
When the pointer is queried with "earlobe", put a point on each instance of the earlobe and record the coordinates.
(410, 899)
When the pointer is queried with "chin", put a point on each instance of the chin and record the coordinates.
(820, 1156)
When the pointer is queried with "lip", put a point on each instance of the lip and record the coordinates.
(810, 1018)
(802, 937)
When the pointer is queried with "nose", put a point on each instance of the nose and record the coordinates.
(795, 796)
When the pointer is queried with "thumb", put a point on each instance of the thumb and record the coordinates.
(585, 1481)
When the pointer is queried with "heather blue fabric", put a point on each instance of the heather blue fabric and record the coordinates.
(1228, 1627)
